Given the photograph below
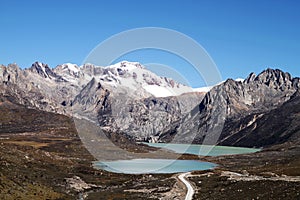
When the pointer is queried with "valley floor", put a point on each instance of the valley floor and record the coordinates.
(44, 158)
(44, 166)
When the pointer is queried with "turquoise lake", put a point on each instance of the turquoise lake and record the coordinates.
(203, 150)
(153, 166)
(158, 166)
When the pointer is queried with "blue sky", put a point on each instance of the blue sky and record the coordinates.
(241, 36)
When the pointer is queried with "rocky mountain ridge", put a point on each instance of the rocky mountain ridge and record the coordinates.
(234, 106)
(126, 99)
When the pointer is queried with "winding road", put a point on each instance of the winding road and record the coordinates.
(190, 189)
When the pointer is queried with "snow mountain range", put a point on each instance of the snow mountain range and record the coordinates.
(127, 99)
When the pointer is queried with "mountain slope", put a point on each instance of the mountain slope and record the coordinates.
(16, 118)
(228, 104)
(265, 129)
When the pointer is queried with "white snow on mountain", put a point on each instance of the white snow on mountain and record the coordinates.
(203, 89)
(208, 88)
(70, 72)
(42, 67)
(158, 91)
(131, 75)
(71, 67)
(125, 65)
(239, 79)
(135, 76)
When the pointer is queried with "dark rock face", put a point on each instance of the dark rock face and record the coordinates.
(232, 107)
(92, 100)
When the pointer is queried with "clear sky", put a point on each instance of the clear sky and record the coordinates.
(241, 36)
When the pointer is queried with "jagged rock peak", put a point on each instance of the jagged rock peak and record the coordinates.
(273, 75)
(42, 69)
(274, 78)
(13, 66)
(230, 81)
(38, 65)
(10, 73)
(250, 78)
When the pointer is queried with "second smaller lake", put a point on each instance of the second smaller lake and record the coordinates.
(203, 150)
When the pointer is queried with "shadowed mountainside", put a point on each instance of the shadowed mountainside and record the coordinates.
(265, 129)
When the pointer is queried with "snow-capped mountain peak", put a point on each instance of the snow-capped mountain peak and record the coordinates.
(131, 75)
(70, 72)
(70, 67)
(125, 65)
(43, 70)
(135, 76)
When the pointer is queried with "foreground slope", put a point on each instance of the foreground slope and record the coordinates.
(42, 157)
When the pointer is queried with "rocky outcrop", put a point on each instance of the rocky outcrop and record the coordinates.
(147, 119)
(77, 184)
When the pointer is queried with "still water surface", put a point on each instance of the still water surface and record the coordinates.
(153, 166)
(158, 166)
(203, 150)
